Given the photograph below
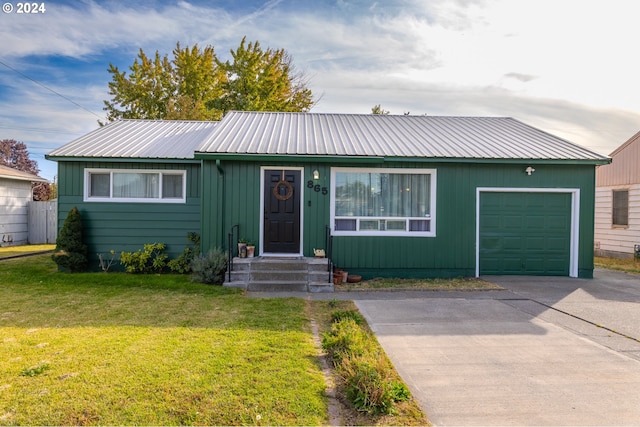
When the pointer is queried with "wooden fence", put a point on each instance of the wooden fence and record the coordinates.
(43, 222)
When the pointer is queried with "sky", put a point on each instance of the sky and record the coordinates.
(568, 67)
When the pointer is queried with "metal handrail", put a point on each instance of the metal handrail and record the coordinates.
(230, 250)
(329, 245)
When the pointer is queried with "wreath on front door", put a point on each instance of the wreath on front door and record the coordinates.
(288, 189)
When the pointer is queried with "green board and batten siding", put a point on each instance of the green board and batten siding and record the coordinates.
(128, 226)
(235, 185)
(451, 253)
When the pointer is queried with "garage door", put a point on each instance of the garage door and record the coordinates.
(525, 233)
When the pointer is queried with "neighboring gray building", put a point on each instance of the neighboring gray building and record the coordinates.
(15, 195)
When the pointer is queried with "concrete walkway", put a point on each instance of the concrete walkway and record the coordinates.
(545, 351)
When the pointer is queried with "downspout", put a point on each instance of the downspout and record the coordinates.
(224, 187)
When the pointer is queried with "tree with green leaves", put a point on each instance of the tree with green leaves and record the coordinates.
(262, 80)
(377, 109)
(196, 85)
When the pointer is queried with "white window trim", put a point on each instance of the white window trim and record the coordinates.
(390, 233)
(575, 220)
(110, 199)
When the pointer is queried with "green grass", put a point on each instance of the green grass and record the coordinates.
(10, 251)
(629, 265)
(119, 349)
(456, 284)
(407, 413)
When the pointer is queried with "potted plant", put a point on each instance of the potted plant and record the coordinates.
(242, 248)
(251, 248)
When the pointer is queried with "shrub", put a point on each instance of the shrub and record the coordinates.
(151, 259)
(209, 268)
(182, 264)
(70, 252)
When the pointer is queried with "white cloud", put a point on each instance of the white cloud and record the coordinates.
(564, 66)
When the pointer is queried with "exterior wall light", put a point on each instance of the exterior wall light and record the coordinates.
(529, 170)
(316, 175)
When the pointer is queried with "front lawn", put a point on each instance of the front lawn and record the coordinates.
(12, 251)
(119, 349)
(456, 284)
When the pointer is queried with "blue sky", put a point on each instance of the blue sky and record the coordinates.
(565, 66)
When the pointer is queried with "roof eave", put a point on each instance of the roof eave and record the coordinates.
(290, 158)
(500, 160)
(24, 178)
(120, 159)
(382, 159)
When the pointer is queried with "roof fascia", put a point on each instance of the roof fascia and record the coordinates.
(501, 161)
(23, 178)
(118, 159)
(289, 158)
(375, 159)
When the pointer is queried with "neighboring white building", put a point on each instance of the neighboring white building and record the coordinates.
(15, 195)
(617, 218)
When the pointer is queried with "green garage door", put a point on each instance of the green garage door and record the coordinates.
(525, 233)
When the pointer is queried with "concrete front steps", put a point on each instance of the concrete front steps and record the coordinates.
(280, 274)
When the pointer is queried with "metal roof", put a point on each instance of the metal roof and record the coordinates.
(265, 133)
(11, 173)
(149, 139)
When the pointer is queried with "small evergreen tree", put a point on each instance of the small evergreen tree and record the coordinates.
(71, 252)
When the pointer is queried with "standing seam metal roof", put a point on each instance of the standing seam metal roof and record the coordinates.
(151, 139)
(264, 133)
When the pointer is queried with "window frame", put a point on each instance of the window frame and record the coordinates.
(387, 233)
(614, 224)
(161, 172)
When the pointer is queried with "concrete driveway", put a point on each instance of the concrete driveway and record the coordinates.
(546, 351)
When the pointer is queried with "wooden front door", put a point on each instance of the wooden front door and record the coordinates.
(282, 211)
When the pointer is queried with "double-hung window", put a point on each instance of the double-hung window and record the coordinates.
(383, 202)
(620, 211)
(125, 185)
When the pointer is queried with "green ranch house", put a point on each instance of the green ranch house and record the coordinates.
(383, 195)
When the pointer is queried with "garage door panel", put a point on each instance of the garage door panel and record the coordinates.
(535, 244)
(555, 266)
(558, 244)
(535, 222)
(536, 265)
(525, 233)
(512, 242)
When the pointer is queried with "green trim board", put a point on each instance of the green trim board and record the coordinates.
(527, 231)
(391, 159)
(121, 159)
(290, 158)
